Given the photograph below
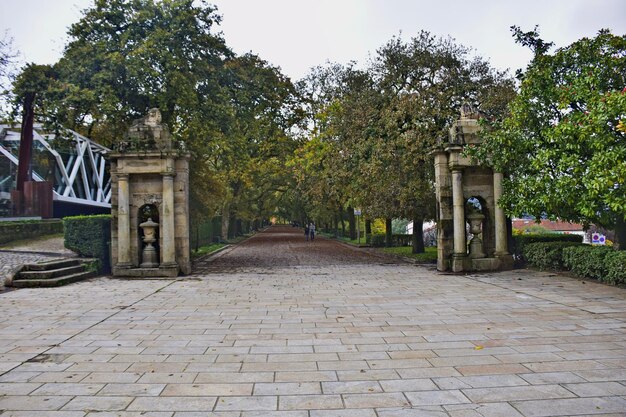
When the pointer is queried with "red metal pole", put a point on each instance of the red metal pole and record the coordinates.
(26, 142)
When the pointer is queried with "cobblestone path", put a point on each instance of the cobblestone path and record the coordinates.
(275, 328)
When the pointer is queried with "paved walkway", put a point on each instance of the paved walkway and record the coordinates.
(362, 339)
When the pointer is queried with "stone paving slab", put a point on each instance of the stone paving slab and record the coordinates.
(369, 340)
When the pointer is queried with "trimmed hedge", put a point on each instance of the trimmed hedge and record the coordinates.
(89, 236)
(616, 267)
(602, 263)
(547, 255)
(587, 261)
(401, 240)
(377, 240)
(28, 229)
(521, 241)
(596, 262)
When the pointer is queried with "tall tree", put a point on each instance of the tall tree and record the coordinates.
(564, 142)
(7, 56)
(376, 127)
(264, 109)
(425, 81)
(127, 56)
(231, 113)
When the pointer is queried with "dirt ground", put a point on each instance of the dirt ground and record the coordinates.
(285, 246)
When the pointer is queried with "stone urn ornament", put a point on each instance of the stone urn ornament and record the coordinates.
(149, 254)
(476, 244)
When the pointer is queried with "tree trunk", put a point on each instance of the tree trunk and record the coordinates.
(368, 230)
(620, 232)
(335, 225)
(343, 225)
(418, 235)
(388, 232)
(352, 223)
(232, 226)
(26, 143)
(509, 235)
(225, 221)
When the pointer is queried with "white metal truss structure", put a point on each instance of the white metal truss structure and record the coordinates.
(81, 173)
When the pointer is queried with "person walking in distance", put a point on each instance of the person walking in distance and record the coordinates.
(306, 232)
(312, 231)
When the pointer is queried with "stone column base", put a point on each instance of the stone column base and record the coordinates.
(506, 261)
(485, 264)
(161, 271)
(459, 263)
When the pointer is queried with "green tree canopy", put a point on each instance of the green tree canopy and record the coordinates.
(232, 113)
(564, 143)
(374, 128)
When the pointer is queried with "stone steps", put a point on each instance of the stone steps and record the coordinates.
(44, 266)
(52, 274)
(53, 282)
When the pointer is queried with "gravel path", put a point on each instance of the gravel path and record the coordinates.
(285, 246)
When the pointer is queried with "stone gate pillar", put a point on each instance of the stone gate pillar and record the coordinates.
(150, 186)
(458, 204)
(169, 252)
(123, 222)
(501, 233)
(470, 182)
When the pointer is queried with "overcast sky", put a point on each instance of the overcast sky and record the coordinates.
(297, 34)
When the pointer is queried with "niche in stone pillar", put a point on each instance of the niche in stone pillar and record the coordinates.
(147, 236)
(478, 223)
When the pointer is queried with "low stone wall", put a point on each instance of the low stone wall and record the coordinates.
(10, 231)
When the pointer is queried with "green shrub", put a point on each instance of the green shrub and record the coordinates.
(587, 261)
(377, 240)
(547, 255)
(429, 256)
(401, 240)
(89, 236)
(521, 241)
(616, 267)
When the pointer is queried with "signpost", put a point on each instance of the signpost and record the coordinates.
(357, 213)
(598, 239)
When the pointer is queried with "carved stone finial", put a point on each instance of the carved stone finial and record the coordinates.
(468, 112)
(148, 134)
(153, 118)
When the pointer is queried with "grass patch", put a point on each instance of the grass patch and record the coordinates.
(343, 239)
(30, 241)
(207, 249)
(353, 241)
(238, 239)
(430, 256)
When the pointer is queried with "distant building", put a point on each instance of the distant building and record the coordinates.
(558, 226)
(425, 227)
(430, 232)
